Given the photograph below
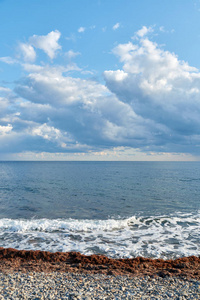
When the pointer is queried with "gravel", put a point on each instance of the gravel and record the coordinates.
(89, 286)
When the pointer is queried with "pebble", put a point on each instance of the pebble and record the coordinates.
(94, 286)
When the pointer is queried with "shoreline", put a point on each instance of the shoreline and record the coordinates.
(70, 275)
(24, 261)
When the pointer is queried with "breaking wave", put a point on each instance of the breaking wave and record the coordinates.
(169, 236)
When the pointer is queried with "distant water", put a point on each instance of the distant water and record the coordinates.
(120, 209)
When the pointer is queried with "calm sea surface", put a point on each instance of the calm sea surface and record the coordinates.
(121, 209)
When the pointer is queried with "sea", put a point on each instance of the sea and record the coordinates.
(118, 209)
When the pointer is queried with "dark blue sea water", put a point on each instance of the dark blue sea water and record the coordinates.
(121, 209)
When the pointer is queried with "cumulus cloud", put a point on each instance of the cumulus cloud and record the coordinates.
(5, 129)
(81, 29)
(83, 108)
(52, 134)
(144, 31)
(116, 26)
(48, 43)
(7, 103)
(151, 103)
(50, 86)
(28, 52)
(71, 54)
(159, 87)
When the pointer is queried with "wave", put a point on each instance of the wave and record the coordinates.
(167, 236)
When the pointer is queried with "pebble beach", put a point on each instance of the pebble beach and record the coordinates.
(44, 275)
(57, 285)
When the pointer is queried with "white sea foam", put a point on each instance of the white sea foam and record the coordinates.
(161, 236)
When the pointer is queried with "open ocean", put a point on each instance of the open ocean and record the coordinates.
(120, 209)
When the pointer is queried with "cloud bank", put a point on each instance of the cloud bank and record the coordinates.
(151, 103)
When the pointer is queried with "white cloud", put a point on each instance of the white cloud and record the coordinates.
(144, 31)
(116, 26)
(81, 107)
(71, 54)
(5, 129)
(159, 88)
(46, 132)
(3, 89)
(48, 43)
(8, 60)
(162, 28)
(46, 69)
(50, 86)
(81, 29)
(151, 103)
(51, 133)
(5, 102)
(72, 67)
(118, 75)
(124, 51)
(32, 67)
(72, 37)
(28, 52)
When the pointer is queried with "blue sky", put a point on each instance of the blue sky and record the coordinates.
(99, 80)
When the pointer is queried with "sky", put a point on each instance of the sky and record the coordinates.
(100, 80)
